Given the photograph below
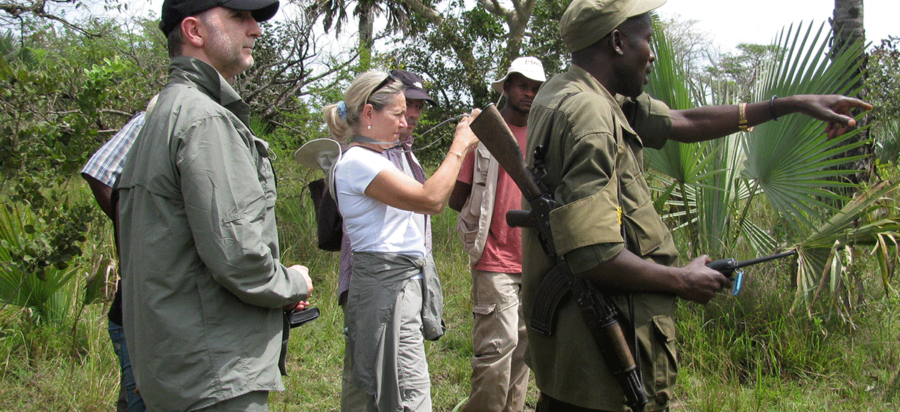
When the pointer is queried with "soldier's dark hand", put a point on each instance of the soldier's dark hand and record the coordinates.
(700, 283)
(834, 109)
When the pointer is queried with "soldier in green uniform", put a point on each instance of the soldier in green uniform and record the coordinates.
(605, 225)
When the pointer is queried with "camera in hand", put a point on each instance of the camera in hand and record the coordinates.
(300, 317)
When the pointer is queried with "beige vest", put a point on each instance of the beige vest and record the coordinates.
(474, 220)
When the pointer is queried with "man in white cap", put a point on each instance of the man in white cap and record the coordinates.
(204, 288)
(483, 194)
(593, 122)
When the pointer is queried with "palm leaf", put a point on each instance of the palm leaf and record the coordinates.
(792, 159)
(854, 225)
(851, 224)
(790, 162)
(47, 297)
(719, 194)
(761, 241)
(667, 83)
(693, 168)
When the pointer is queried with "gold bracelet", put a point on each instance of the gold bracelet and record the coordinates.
(458, 154)
(742, 118)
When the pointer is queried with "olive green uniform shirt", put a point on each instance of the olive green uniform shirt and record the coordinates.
(202, 281)
(594, 164)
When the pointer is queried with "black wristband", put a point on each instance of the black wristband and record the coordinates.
(772, 107)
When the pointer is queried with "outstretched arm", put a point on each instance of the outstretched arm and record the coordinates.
(398, 190)
(712, 122)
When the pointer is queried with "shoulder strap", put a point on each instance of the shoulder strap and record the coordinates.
(630, 295)
(540, 151)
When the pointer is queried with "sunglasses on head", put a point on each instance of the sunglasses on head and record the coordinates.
(383, 83)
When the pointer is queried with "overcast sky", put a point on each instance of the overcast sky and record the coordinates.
(730, 22)
(759, 21)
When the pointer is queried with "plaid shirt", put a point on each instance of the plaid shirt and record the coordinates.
(106, 164)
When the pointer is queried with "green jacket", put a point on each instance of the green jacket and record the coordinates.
(594, 165)
(203, 285)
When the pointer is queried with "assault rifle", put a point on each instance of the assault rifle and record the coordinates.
(597, 309)
(728, 267)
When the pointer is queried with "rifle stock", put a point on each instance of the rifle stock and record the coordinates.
(493, 132)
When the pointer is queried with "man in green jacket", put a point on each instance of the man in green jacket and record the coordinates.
(594, 122)
(203, 284)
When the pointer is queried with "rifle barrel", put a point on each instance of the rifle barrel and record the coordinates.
(764, 259)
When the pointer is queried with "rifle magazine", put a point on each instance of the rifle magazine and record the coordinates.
(553, 289)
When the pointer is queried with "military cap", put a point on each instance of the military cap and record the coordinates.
(587, 21)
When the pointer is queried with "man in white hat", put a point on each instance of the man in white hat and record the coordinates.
(483, 194)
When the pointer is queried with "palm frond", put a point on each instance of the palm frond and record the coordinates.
(46, 295)
(792, 159)
(852, 226)
(760, 240)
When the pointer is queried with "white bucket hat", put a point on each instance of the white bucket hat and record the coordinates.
(529, 67)
(320, 154)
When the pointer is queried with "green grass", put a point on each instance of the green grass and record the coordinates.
(750, 353)
(753, 353)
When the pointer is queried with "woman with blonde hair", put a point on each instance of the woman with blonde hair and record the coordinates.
(394, 302)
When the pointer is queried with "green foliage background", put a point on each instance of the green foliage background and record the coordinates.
(66, 91)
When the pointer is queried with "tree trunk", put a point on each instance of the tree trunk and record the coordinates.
(849, 29)
(366, 29)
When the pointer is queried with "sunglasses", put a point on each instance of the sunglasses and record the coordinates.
(383, 83)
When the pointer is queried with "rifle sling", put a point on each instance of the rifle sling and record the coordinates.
(555, 285)
(598, 312)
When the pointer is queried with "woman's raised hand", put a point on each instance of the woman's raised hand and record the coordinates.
(464, 133)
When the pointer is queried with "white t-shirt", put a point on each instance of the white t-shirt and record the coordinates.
(371, 225)
(407, 168)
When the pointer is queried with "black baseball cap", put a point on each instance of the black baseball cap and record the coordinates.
(415, 88)
(174, 11)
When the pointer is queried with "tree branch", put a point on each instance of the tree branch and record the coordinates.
(427, 12)
(38, 9)
(494, 7)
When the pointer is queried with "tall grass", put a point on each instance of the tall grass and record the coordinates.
(748, 353)
(751, 353)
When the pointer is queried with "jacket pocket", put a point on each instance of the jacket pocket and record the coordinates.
(471, 222)
(482, 163)
(644, 230)
(265, 172)
(665, 359)
(467, 223)
(485, 334)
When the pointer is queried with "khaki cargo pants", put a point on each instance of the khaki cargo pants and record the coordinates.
(499, 342)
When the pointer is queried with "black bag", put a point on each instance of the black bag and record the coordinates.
(329, 223)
